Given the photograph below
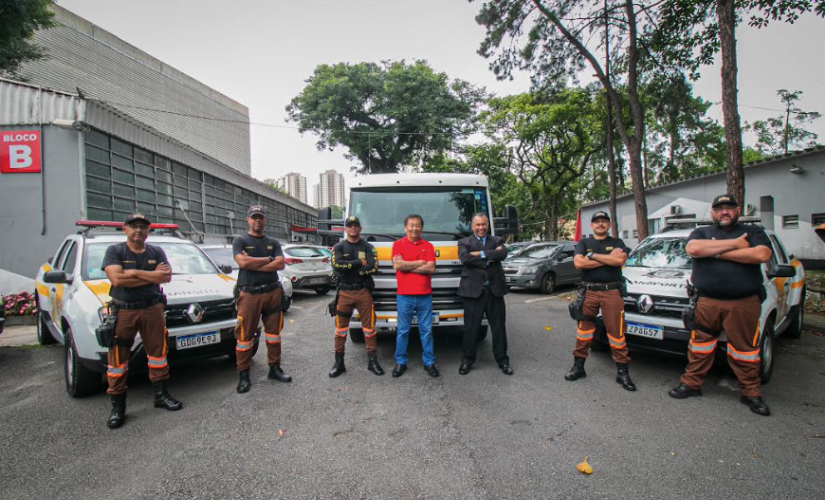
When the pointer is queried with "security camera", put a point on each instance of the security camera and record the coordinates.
(68, 124)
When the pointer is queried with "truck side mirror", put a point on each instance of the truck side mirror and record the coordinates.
(509, 223)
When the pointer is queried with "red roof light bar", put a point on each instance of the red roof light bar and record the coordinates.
(106, 223)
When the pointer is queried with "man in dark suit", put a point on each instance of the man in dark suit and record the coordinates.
(483, 287)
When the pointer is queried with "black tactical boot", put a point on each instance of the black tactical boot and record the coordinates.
(163, 399)
(275, 373)
(373, 365)
(338, 368)
(756, 405)
(623, 377)
(577, 371)
(243, 384)
(118, 414)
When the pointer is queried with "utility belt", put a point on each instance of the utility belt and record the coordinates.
(351, 287)
(602, 287)
(258, 289)
(145, 304)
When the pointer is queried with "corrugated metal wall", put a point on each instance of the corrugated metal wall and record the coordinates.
(103, 67)
(22, 104)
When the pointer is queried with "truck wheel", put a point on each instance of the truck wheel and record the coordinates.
(599, 343)
(356, 335)
(794, 331)
(766, 353)
(548, 283)
(44, 336)
(80, 381)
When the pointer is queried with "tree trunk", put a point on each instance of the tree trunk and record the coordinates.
(726, 14)
(639, 202)
(611, 172)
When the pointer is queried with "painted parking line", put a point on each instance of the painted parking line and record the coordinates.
(539, 300)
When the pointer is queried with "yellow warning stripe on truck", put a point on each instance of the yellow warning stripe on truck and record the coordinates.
(441, 253)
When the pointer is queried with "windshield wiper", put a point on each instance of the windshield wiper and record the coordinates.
(455, 236)
(392, 237)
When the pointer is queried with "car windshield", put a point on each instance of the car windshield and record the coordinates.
(660, 252)
(222, 256)
(185, 258)
(446, 211)
(538, 251)
(305, 252)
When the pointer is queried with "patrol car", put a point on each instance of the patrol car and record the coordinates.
(657, 273)
(72, 293)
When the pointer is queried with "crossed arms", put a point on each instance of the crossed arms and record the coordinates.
(260, 264)
(133, 278)
(735, 250)
(474, 258)
(413, 266)
(616, 258)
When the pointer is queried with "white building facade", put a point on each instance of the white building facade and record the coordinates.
(295, 185)
(330, 190)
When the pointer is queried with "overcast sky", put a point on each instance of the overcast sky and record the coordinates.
(259, 52)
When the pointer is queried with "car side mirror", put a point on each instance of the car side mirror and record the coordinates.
(782, 271)
(56, 277)
(50, 260)
(226, 269)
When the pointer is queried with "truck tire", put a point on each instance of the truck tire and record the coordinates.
(794, 331)
(80, 381)
(766, 352)
(44, 336)
(548, 283)
(356, 335)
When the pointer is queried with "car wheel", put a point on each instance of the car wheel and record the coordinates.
(323, 290)
(356, 335)
(548, 283)
(766, 352)
(80, 381)
(44, 336)
(794, 331)
(287, 303)
(600, 343)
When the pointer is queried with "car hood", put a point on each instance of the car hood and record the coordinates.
(184, 288)
(657, 281)
(523, 261)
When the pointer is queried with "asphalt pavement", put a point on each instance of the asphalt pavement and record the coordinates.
(484, 435)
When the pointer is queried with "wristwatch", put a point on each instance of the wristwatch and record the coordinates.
(271, 258)
(589, 255)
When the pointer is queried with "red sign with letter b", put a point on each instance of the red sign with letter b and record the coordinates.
(20, 152)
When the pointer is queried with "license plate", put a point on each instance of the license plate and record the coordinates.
(201, 339)
(649, 331)
(435, 319)
(317, 280)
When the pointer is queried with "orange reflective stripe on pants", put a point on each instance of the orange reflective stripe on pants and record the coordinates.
(746, 356)
(702, 347)
(616, 343)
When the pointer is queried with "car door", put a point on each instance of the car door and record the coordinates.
(566, 270)
(45, 295)
(783, 285)
(58, 292)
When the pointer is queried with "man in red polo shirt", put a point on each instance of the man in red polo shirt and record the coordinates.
(414, 262)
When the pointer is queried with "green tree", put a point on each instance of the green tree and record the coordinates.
(780, 134)
(19, 20)
(551, 142)
(337, 212)
(690, 33)
(389, 115)
(556, 39)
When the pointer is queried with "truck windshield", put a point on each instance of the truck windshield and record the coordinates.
(447, 211)
(662, 253)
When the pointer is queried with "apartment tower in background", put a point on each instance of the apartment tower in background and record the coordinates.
(295, 185)
(330, 190)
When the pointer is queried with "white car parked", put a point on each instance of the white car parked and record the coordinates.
(72, 292)
(221, 254)
(657, 273)
(307, 266)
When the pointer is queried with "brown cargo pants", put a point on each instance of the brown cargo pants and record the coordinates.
(739, 319)
(347, 302)
(151, 323)
(612, 307)
(251, 308)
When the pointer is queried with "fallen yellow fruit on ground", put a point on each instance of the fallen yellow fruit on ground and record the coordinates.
(584, 467)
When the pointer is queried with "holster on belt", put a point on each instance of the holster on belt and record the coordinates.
(689, 313)
(575, 308)
(105, 333)
(332, 307)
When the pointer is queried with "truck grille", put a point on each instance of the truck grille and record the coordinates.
(668, 307)
(213, 311)
(442, 300)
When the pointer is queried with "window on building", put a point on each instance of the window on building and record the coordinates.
(624, 234)
(790, 222)
(654, 226)
(635, 234)
(817, 219)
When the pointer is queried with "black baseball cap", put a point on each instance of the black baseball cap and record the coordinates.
(352, 221)
(136, 217)
(724, 199)
(255, 210)
(600, 215)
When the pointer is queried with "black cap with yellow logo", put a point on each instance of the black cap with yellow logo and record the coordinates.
(352, 221)
(136, 217)
(724, 199)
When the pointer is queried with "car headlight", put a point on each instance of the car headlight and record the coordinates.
(529, 270)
